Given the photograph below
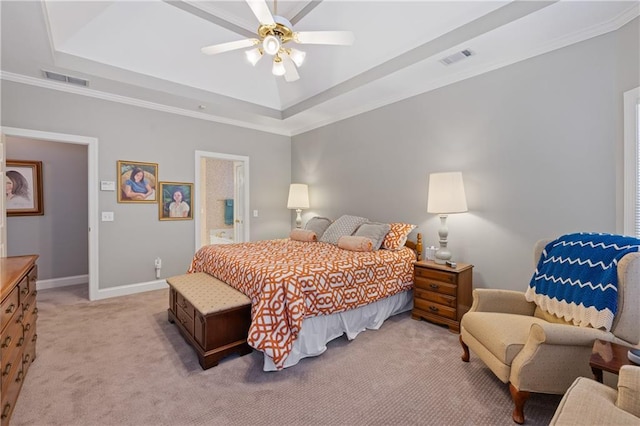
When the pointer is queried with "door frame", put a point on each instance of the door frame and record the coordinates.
(92, 182)
(199, 155)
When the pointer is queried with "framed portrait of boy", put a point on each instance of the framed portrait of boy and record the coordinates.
(137, 182)
(176, 201)
(23, 188)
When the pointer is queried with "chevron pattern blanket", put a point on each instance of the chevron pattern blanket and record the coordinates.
(577, 278)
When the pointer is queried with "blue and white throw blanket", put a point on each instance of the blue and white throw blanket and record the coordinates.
(577, 277)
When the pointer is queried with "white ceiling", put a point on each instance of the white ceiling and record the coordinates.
(147, 53)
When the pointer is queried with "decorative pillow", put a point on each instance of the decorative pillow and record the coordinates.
(318, 225)
(397, 236)
(303, 235)
(353, 243)
(344, 225)
(375, 231)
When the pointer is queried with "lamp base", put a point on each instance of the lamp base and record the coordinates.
(443, 254)
(298, 218)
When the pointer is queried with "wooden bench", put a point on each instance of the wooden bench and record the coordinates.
(212, 316)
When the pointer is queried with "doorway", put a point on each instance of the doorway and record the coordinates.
(221, 198)
(92, 182)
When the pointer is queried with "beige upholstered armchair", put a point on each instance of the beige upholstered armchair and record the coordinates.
(535, 351)
(590, 402)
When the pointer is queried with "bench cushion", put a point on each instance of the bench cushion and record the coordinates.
(207, 294)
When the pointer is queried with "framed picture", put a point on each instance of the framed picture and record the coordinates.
(176, 201)
(23, 188)
(137, 182)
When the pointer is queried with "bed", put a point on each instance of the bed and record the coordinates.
(304, 294)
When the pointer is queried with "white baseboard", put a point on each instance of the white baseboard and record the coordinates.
(104, 293)
(124, 290)
(62, 282)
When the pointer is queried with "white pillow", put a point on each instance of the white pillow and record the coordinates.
(344, 225)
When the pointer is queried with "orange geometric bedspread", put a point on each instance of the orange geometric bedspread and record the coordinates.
(289, 280)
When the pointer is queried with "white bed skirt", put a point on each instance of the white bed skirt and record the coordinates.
(316, 332)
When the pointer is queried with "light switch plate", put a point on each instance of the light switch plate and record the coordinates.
(107, 185)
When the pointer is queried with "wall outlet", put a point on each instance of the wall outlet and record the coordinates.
(107, 216)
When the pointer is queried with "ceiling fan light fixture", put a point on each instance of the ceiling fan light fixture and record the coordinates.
(278, 67)
(297, 56)
(254, 55)
(271, 45)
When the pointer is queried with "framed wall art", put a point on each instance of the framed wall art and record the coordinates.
(176, 201)
(23, 188)
(137, 182)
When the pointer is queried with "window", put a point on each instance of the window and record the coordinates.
(631, 214)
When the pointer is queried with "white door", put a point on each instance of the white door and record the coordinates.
(238, 203)
(3, 207)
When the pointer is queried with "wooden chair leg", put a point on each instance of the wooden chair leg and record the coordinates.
(465, 350)
(519, 398)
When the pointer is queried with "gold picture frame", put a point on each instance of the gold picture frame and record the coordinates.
(137, 191)
(176, 201)
(23, 188)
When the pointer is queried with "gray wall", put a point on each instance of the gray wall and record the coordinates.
(60, 236)
(129, 245)
(539, 144)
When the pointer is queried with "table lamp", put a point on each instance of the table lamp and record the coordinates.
(446, 195)
(298, 200)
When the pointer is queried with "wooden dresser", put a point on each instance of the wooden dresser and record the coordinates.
(441, 294)
(18, 313)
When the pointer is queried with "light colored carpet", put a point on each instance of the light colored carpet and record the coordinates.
(120, 362)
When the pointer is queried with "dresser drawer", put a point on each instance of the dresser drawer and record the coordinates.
(185, 319)
(437, 286)
(435, 297)
(11, 338)
(9, 307)
(29, 353)
(434, 308)
(185, 305)
(9, 370)
(445, 277)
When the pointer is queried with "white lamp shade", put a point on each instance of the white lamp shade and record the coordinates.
(446, 193)
(298, 196)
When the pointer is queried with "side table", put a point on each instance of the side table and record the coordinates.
(608, 356)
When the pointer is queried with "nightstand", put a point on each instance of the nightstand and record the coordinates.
(441, 294)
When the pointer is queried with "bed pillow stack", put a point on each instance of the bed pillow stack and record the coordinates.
(343, 226)
(375, 232)
(318, 225)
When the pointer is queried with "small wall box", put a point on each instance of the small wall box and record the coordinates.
(107, 185)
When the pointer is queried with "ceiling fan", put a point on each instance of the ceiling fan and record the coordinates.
(274, 33)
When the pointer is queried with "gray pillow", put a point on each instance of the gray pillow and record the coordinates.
(318, 225)
(374, 231)
(344, 225)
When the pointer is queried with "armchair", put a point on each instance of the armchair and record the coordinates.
(590, 402)
(535, 351)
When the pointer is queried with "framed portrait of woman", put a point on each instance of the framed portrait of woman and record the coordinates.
(176, 201)
(137, 182)
(23, 188)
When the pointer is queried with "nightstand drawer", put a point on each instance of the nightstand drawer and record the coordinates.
(437, 286)
(432, 274)
(435, 297)
(434, 308)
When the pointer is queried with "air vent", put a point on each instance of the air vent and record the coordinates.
(458, 56)
(65, 78)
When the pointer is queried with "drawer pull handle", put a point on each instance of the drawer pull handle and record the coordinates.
(20, 318)
(6, 342)
(5, 410)
(7, 368)
(434, 286)
(10, 309)
(27, 327)
(27, 358)
(25, 290)
(20, 342)
(27, 306)
(433, 309)
(20, 376)
(35, 311)
(34, 338)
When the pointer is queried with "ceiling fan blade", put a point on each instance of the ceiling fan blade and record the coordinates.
(291, 72)
(232, 45)
(261, 10)
(344, 38)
